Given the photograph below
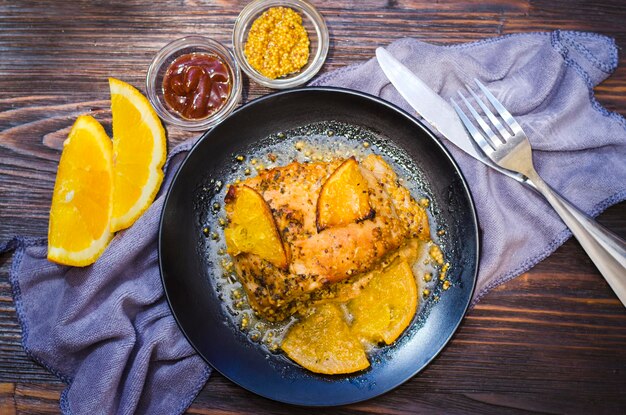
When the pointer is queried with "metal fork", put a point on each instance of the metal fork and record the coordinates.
(509, 148)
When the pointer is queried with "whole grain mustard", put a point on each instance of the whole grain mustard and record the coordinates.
(277, 43)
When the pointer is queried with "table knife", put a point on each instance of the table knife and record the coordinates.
(441, 116)
(433, 109)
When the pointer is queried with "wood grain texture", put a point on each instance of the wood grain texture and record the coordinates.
(550, 341)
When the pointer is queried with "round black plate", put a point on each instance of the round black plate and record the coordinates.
(186, 269)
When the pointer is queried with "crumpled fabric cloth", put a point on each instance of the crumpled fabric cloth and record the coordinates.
(107, 331)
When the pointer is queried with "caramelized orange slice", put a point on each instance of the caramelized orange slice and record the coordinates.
(386, 306)
(323, 343)
(252, 228)
(344, 197)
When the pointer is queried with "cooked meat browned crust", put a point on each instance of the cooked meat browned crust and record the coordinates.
(319, 259)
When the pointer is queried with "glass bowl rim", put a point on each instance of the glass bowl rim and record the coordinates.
(163, 57)
(245, 19)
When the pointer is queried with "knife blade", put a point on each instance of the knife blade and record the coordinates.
(434, 109)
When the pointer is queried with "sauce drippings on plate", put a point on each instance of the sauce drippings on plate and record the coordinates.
(197, 85)
(310, 145)
(344, 231)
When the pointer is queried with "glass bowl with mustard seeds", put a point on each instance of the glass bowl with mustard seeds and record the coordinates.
(280, 43)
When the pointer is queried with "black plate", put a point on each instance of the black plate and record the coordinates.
(187, 270)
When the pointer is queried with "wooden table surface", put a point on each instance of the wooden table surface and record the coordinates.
(552, 340)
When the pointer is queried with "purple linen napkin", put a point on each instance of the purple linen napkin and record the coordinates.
(107, 331)
(546, 81)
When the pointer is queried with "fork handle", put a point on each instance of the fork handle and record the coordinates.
(606, 250)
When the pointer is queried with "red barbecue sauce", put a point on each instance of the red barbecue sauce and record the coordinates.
(197, 85)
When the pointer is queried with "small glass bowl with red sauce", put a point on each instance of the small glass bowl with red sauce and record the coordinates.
(194, 83)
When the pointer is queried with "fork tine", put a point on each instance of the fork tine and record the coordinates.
(491, 136)
(478, 137)
(504, 133)
(506, 115)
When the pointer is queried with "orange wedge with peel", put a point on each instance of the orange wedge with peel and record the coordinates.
(79, 228)
(344, 197)
(139, 152)
(252, 228)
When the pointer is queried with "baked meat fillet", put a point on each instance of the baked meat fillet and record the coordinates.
(335, 220)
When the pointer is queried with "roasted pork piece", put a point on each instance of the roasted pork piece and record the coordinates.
(336, 221)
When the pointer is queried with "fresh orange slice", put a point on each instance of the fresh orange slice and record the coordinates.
(323, 343)
(386, 305)
(79, 228)
(139, 151)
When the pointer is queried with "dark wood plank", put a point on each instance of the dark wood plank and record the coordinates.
(552, 340)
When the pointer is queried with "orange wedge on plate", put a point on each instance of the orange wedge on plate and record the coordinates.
(344, 197)
(139, 151)
(252, 228)
(386, 306)
(79, 227)
(323, 343)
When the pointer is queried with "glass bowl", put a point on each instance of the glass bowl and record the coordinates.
(162, 61)
(312, 21)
